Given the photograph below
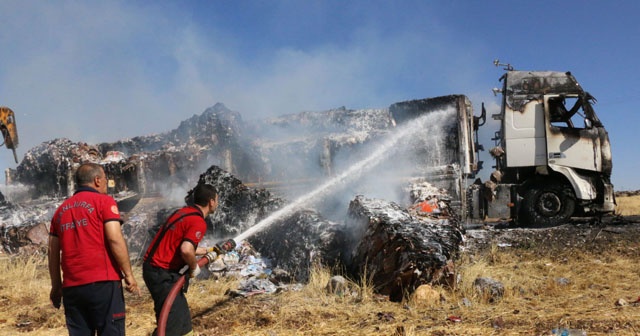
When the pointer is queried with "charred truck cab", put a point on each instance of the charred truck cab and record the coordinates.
(552, 153)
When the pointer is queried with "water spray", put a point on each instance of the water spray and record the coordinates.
(384, 149)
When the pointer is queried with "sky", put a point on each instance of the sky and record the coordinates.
(100, 71)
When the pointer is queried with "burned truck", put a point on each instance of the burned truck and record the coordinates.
(552, 153)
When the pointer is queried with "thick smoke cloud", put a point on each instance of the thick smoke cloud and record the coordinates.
(96, 72)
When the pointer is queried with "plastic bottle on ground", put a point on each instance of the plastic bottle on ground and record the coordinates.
(568, 332)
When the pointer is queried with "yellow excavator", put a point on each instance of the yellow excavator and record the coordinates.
(9, 130)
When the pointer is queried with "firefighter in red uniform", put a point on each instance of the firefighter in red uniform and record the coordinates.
(173, 248)
(85, 240)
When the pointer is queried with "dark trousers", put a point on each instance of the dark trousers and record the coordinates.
(159, 282)
(94, 308)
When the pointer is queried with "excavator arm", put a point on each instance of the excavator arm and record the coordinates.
(9, 130)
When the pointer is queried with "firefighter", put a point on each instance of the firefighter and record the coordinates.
(174, 248)
(85, 239)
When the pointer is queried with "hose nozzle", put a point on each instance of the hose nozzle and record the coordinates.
(228, 245)
(219, 249)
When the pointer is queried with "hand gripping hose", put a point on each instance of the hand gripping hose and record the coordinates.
(213, 253)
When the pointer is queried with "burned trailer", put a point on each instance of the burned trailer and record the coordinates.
(407, 144)
(298, 151)
(444, 156)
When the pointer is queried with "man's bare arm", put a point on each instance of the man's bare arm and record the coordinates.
(118, 247)
(188, 252)
(200, 251)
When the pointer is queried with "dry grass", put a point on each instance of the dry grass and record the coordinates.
(535, 300)
(628, 206)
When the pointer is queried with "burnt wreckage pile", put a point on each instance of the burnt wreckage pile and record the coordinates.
(293, 244)
(289, 156)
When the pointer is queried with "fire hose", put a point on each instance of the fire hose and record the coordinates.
(212, 254)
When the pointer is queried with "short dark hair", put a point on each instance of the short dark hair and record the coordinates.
(87, 172)
(203, 193)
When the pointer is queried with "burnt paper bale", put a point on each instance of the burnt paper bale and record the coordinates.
(48, 166)
(239, 207)
(14, 240)
(300, 241)
(398, 251)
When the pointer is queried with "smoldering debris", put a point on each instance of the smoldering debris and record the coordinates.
(300, 241)
(239, 207)
(292, 244)
(288, 155)
(24, 228)
(48, 166)
(289, 152)
(401, 251)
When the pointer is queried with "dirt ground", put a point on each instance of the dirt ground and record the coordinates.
(579, 233)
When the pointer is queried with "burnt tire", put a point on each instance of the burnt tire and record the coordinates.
(546, 205)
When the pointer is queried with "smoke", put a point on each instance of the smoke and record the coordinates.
(174, 192)
(17, 192)
(408, 151)
(113, 70)
(330, 197)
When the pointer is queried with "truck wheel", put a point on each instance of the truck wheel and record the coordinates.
(548, 205)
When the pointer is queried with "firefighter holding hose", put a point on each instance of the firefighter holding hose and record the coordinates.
(173, 251)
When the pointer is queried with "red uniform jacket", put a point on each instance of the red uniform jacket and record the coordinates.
(191, 228)
(79, 225)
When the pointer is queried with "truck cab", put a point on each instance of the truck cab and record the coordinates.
(551, 149)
